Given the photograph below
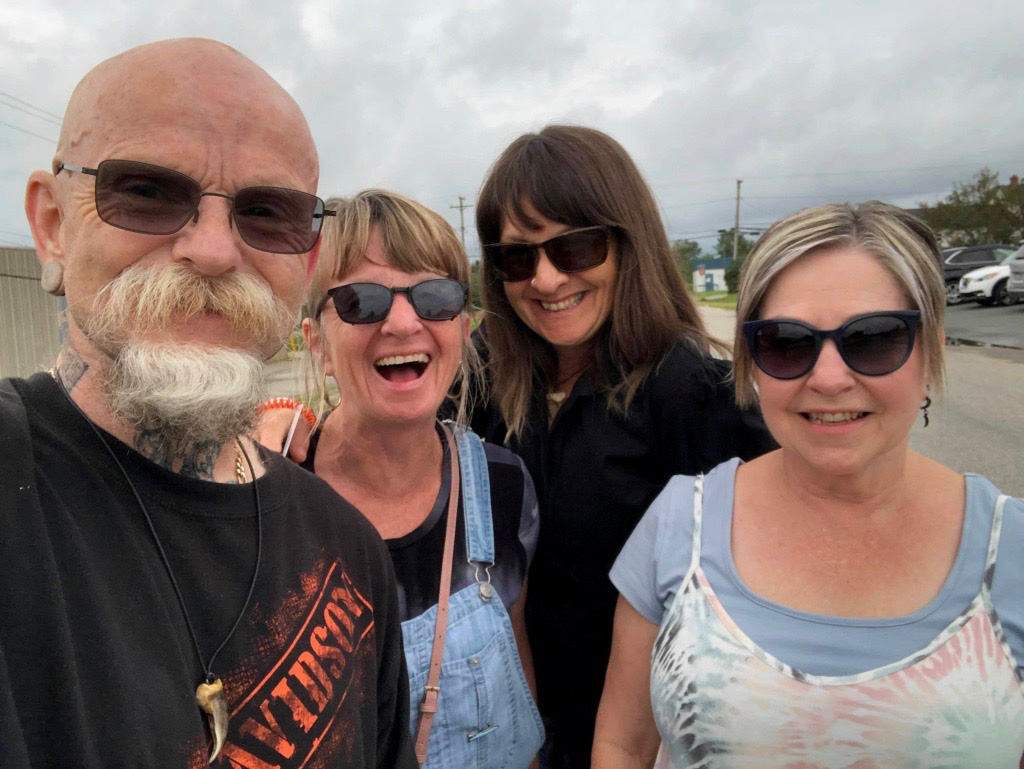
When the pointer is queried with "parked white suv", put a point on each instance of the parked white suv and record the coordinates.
(1015, 286)
(988, 285)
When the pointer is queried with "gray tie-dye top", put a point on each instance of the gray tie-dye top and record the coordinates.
(656, 557)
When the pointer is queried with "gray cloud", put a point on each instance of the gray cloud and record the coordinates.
(806, 101)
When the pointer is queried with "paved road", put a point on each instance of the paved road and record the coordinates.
(973, 323)
(978, 425)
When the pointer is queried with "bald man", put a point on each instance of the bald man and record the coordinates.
(170, 594)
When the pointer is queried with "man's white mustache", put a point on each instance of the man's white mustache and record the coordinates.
(142, 300)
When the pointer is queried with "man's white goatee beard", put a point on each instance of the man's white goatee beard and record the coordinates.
(189, 393)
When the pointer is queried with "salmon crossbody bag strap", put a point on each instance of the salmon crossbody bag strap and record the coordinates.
(428, 707)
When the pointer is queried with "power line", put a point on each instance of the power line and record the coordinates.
(462, 206)
(700, 203)
(832, 195)
(710, 179)
(29, 104)
(695, 234)
(30, 133)
(29, 112)
(759, 210)
(864, 172)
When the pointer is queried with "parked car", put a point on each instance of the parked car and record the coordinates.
(1015, 286)
(957, 262)
(988, 285)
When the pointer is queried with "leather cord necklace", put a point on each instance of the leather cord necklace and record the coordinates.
(557, 397)
(210, 691)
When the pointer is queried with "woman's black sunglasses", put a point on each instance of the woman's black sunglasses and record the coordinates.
(153, 200)
(874, 344)
(435, 299)
(573, 251)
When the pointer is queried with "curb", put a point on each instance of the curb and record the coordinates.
(959, 341)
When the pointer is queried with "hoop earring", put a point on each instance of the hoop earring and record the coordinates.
(325, 396)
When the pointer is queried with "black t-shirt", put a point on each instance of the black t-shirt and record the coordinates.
(96, 665)
(596, 472)
(417, 555)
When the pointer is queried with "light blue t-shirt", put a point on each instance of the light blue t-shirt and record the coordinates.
(652, 565)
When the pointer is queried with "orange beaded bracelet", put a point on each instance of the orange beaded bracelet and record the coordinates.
(289, 403)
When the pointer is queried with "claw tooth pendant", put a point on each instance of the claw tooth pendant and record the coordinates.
(211, 700)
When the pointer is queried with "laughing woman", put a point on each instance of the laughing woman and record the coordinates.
(842, 601)
(388, 323)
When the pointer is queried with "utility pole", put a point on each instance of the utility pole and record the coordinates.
(462, 206)
(736, 229)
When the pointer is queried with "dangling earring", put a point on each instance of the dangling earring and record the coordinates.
(52, 279)
(926, 404)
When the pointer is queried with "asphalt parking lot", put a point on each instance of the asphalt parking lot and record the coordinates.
(974, 324)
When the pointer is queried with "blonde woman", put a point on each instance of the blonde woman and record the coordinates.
(388, 323)
(842, 601)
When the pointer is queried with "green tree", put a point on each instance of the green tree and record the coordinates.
(978, 211)
(686, 251)
(723, 250)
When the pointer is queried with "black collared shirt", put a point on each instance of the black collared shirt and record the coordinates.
(596, 472)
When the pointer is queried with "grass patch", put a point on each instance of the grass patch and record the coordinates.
(715, 299)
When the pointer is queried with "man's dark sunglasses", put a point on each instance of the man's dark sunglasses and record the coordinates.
(154, 200)
(874, 344)
(435, 299)
(569, 252)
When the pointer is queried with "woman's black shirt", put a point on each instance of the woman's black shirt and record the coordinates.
(596, 472)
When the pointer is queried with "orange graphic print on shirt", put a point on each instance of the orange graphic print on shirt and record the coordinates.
(287, 710)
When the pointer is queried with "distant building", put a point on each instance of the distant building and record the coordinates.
(29, 338)
(709, 274)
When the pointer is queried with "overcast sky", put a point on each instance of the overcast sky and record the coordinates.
(807, 102)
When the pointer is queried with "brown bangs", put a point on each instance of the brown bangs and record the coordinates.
(415, 239)
(550, 174)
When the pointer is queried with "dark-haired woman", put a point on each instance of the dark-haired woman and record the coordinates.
(601, 379)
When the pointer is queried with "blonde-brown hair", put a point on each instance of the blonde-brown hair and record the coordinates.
(901, 242)
(415, 239)
(582, 177)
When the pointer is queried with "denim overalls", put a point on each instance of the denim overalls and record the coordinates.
(486, 718)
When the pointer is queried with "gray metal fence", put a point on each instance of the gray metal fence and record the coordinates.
(29, 338)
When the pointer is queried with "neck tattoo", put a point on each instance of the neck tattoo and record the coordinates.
(210, 695)
(72, 366)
